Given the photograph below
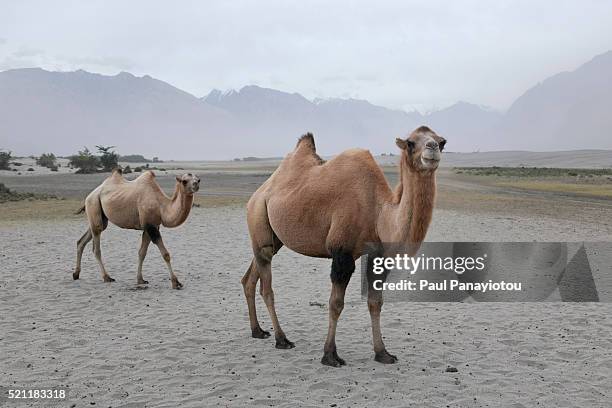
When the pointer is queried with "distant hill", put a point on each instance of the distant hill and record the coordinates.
(570, 110)
(342, 123)
(62, 111)
(471, 124)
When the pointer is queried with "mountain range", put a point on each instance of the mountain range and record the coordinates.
(60, 112)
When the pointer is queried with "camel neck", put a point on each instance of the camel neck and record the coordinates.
(415, 197)
(176, 209)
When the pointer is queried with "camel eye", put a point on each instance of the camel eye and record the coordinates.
(184, 182)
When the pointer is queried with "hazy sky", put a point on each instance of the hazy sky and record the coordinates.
(401, 54)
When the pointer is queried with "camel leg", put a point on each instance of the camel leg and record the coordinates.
(265, 245)
(98, 253)
(142, 253)
(81, 243)
(375, 302)
(249, 284)
(343, 266)
(153, 232)
(264, 266)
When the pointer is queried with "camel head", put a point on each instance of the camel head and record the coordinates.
(422, 149)
(188, 183)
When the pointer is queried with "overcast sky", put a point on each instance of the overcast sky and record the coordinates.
(400, 54)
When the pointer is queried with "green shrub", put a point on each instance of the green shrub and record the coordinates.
(85, 162)
(5, 158)
(108, 158)
(47, 160)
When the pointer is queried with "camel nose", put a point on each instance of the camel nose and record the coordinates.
(433, 145)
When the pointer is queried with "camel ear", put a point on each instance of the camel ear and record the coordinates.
(178, 179)
(401, 143)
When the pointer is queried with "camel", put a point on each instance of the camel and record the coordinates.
(332, 210)
(140, 205)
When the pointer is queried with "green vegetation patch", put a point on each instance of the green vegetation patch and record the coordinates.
(531, 172)
(7, 195)
(591, 190)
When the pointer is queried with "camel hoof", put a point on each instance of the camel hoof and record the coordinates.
(75, 276)
(284, 343)
(331, 358)
(176, 284)
(258, 333)
(385, 358)
(108, 279)
(143, 282)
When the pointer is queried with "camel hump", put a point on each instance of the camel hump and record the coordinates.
(307, 141)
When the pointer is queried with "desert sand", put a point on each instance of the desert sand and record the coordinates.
(125, 345)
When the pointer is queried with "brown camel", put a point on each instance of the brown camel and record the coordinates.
(141, 205)
(331, 210)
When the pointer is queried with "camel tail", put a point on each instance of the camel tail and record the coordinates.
(307, 140)
(80, 211)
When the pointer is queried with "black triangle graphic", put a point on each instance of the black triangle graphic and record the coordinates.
(576, 284)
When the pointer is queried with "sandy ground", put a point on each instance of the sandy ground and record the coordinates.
(122, 345)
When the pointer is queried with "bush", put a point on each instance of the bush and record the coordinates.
(47, 160)
(5, 157)
(85, 162)
(137, 169)
(127, 169)
(30, 169)
(108, 158)
(53, 168)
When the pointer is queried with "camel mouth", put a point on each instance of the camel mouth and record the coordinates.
(430, 158)
(431, 162)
